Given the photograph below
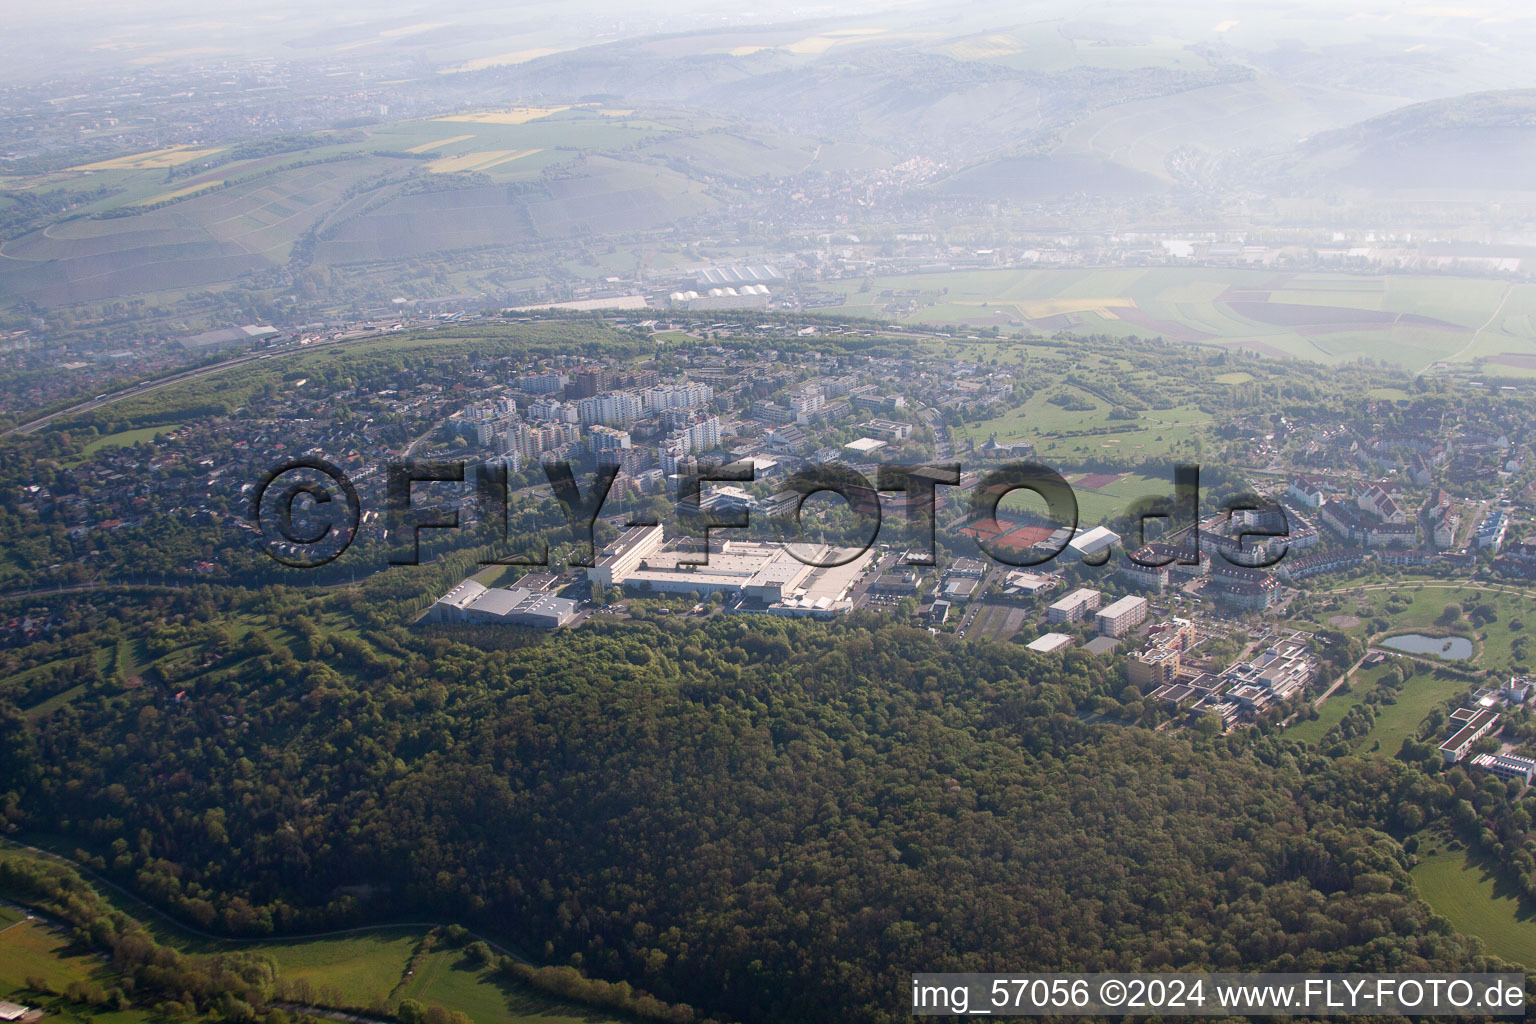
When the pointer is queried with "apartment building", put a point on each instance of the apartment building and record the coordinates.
(1121, 617)
(1075, 606)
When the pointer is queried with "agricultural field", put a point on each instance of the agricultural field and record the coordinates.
(478, 160)
(166, 223)
(514, 115)
(1412, 321)
(157, 159)
(1477, 901)
(207, 237)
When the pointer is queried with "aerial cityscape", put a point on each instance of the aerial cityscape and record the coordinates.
(570, 513)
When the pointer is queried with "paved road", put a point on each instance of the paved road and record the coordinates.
(1348, 674)
(137, 389)
(183, 376)
(1467, 584)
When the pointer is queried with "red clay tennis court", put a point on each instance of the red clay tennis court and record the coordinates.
(1002, 533)
(1096, 481)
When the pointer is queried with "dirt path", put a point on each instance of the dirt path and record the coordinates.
(1473, 341)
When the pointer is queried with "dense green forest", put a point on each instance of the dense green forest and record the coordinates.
(759, 818)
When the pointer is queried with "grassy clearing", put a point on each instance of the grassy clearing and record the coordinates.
(1478, 902)
(356, 970)
(1397, 722)
(1329, 715)
(1067, 435)
(448, 977)
(127, 438)
(1336, 707)
(1394, 722)
(33, 950)
(55, 702)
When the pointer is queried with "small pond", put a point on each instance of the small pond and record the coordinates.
(1452, 648)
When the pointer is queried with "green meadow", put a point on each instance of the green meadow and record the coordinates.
(1477, 901)
(1411, 321)
(371, 968)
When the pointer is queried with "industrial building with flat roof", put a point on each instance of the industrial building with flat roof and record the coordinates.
(1028, 584)
(1088, 543)
(1048, 642)
(766, 576)
(625, 554)
(472, 602)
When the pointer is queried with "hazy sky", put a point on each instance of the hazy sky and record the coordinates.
(58, 40)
